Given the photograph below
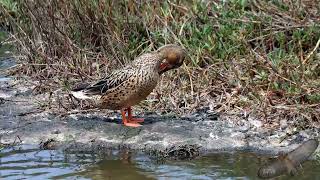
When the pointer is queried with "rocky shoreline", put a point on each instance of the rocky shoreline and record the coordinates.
(23, 122)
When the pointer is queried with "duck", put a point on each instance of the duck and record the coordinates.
(126, 87)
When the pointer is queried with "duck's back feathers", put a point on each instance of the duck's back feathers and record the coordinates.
(80, 86)
(112, 80)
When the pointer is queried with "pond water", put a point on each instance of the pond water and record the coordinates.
(6, 59)
(28, 162)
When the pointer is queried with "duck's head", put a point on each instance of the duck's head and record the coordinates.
(172, 57)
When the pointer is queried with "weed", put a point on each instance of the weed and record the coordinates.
(263, 52)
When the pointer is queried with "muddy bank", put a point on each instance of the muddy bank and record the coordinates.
(22, 120)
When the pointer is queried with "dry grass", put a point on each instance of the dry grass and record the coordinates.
(252, 58)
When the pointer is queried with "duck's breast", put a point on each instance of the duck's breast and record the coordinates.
(130, 92)
(146, 82)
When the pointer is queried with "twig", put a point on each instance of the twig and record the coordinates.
(312, 52)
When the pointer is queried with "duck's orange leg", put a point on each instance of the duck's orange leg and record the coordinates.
(130, 117)
(126, 120)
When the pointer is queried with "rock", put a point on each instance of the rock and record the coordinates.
(255, 123)
(283, 124)
(56, 131)
(238, 135)
(97, 131)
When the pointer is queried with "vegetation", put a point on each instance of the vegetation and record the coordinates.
(245, 56)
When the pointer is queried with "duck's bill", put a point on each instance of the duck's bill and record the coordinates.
(164, 67)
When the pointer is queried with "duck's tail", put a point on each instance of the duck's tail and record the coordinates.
(80, 95)
(79, 91)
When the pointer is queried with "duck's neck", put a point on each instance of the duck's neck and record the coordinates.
(150, 61)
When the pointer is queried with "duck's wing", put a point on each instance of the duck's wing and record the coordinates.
(112, 80)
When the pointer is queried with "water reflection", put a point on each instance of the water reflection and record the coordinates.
(26, 162)
(119, 165)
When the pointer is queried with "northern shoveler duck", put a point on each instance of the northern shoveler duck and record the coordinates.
(126, 87)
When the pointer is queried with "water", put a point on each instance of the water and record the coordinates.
(28, 162)
(6, 59)
(5, 62)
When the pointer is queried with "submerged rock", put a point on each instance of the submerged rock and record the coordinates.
(290, 162)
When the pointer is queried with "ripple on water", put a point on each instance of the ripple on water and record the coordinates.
(4, 79)
(4, 64)
(28, 162)
(7, 62)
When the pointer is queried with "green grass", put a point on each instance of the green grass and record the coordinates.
(257, 50)
(3, 36)
(10, 5)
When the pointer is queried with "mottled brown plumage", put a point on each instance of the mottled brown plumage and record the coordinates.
(128, 86)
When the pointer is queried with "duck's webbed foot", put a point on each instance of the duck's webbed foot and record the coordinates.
(130, 121)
